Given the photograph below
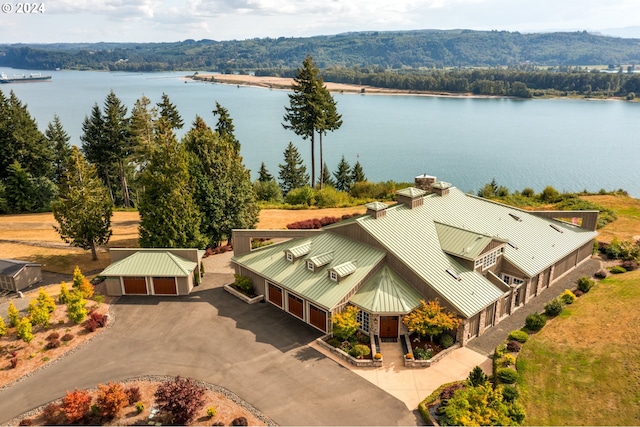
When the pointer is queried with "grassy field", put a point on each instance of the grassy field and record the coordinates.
(627, 226)
(31, 237)
(583, 368)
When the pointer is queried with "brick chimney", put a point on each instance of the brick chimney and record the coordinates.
(424, 182)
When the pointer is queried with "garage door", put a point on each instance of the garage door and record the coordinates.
(275, 295)
(318, 318)
(134, 286)
(164, 286)
(296, 306)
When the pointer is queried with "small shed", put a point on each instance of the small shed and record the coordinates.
(153, 271)
(17, 275)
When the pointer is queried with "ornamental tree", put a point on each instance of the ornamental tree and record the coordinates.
(431, 319)
(345, 323)
(111, 399)
(24, 330)
(76, 307)
(75, 405)
(13, 314)
(180, 397)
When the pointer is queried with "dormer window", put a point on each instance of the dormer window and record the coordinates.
(333, 276)
(339, 272)
(311, 266)
(316, 262)
(295, 252)
(289, 256)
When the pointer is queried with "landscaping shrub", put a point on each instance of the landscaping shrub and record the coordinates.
(477, 377)
(510, 393)
(90, 325)
(111, 398)
(244, 283)
(449, 391)
(618, 269)
(361, 350)
(139, 407)
(240, 421)
(75, 405)
(52, 415)
(180, 397)
(345, 324)
(553, 307)
(567, 297)
(101, 319)
(422, 354)
(53, 336)
(377, 356)
(25, 422)
(67, 337)
(211, 412)
(514, 346)
(518, 335)
(100, 298)
(535, 321)
(24, 330)
(508, 360)
(630, 265)
(585, 283)
(578, 293)
(13, 362)
(362, 338)
(334, 342)
(446, 341)
(133, 394)
(300, 196)
(3, 327)
(507, 375)
(601, 274)
(53, 344)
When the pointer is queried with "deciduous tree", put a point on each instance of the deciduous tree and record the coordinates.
(345, 324)
(83, 209)
(430, 318)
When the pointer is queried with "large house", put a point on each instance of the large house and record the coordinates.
(482, 260)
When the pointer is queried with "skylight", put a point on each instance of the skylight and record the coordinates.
(513, 245)
(555, 227)
(454, 274)
(516, 217)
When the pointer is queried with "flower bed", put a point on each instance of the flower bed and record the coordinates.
(370, 361)
(238, 294)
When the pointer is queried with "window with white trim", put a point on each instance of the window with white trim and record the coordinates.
(511, 280)
(363, 319)
(333, 275)
(311, 266)
(489, 260)
(289, 256)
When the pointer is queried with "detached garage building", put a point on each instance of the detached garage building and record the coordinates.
(17, 275)
(153, 271)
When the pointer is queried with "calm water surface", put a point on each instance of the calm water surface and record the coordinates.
(570, 144)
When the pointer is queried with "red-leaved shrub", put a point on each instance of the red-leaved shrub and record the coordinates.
(75, 405)
(180, 397)
(133, 394)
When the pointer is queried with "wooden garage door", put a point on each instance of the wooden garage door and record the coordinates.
(296, 306)
(275, 295)
(164, 286)
(318, 318)
(134, 286)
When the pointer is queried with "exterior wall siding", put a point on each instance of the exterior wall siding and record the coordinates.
(114, 287)
(29, 275)
(259, 282)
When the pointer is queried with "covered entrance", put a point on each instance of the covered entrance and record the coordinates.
(389, 327)
(134, 285)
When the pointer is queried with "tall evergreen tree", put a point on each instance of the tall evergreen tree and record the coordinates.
(20, 189)
(21, 140)
(59, 141)
(293, 174)
(326, 176)
(95, 148)
(357, 174)
(343, 175)
(263, 174)
(169, 113)
(225, 127)
(117, 139)
(83, 209)
(169, 217)
(329, 120)
(304, 112)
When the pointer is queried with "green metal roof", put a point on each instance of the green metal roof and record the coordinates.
(270, 262)
(412, 236)
(153, 263)
(462, 243)
(387, 293)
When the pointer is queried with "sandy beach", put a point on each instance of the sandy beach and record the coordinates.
(285, 83)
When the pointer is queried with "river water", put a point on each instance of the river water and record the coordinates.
(569, 144)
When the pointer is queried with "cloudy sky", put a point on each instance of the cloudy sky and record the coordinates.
(174, 20)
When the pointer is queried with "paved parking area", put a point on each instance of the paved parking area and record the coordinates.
(258, 352)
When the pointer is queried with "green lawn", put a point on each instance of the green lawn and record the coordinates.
(583, 368)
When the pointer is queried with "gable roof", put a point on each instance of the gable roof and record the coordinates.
(151, 263)
(11, 267)
(462, 243)
(315, 286)
(413, 236)
(387, 292)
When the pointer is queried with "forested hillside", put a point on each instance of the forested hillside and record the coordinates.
(385, 50)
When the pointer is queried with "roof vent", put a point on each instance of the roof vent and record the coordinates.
(376, 209)
(454, 274)
(441, 188)
(513, 245)
(411, 197)
(516, 217)
(555, 227)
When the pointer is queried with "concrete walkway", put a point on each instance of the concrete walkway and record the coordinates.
(412, 385)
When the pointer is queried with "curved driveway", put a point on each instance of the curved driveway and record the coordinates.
(258, 352)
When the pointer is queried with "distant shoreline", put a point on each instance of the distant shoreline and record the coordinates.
(285, 83)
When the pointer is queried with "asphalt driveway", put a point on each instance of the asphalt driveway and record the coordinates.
(258, 352)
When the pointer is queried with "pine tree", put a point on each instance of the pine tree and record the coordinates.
(326, 177)
(19, 189)
(343, 176)
(118, 139)
(59, 141)
(169, 217)
(263, 174)
(293, 174)
(95, 148)
(83, 209)
(224, 127)
(169, 113)
(357, 174)
(329, 120)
